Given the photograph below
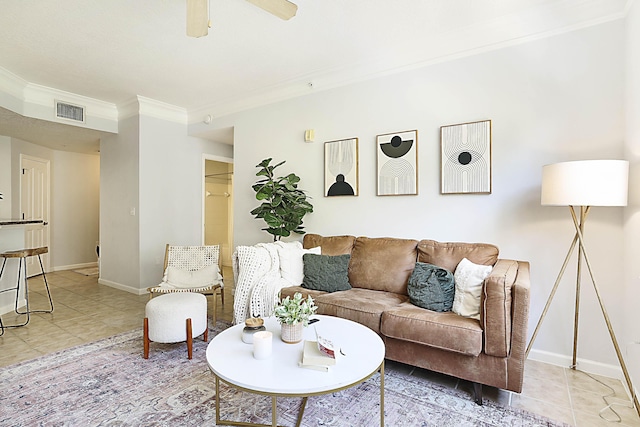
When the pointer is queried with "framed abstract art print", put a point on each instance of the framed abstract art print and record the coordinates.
(397, 163)
(466, 158)
(341, 168)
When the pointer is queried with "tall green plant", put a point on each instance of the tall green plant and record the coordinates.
(283, 204)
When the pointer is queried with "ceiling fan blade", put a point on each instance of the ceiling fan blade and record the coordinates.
(283, 9)
(197, 18)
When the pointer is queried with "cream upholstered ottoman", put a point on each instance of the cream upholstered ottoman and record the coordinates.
(175, 317)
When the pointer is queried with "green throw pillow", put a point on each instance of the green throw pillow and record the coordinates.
(326, 273)
(431, 287)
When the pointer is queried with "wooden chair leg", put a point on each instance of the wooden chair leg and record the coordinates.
(205, 337)
(146, 337)
(189, 338)
(215, 310)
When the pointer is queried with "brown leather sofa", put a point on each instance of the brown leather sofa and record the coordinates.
(488, 351)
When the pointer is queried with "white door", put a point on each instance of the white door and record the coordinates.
(34, 204)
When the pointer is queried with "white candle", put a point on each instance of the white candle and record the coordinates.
(262, 344)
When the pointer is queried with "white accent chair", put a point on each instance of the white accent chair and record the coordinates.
(191, 269)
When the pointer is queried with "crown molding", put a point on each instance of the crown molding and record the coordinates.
(472, 40)
(46, 97)
(139, 105)
(12, 84)
(37, 101)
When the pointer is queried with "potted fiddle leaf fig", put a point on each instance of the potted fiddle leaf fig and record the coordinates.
(283, 205)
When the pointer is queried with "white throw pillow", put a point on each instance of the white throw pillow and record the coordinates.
(469, 278)
(192, 279)
(291, 265)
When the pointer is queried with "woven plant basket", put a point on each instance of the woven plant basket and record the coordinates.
(291, 334)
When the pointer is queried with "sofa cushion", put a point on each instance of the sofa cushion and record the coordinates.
(206, 276)
(448, 255)
(432, 287)
(496, 308)
(382, 264)
(360, 305)
(326, 272)
(446, 331)
(333, 245)
(290, 257)
(469, 280)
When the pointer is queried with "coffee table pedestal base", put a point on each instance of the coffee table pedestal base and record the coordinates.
(274, 408)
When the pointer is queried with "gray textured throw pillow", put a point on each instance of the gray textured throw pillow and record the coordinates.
(326, 273)
(431, 287)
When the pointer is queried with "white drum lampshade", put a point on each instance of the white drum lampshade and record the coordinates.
(586, 183)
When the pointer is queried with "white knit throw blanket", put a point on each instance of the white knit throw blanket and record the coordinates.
(258, 282)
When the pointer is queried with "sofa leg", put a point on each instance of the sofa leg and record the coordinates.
(477, 392)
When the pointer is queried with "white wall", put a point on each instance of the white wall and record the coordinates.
(171, 195)
(550, 100)
(119, 183)
(5, 177)
(75, 203)
(73, 199)
(151, 179)
(630, 338)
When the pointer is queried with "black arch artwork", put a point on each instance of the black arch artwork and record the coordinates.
(466, 158)
(341, 168)
(397, 163)
(340, 187)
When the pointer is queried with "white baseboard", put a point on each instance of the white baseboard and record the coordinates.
(75, 266)
(122, 287)
(606, 370)
(589, 366)
(8, 308)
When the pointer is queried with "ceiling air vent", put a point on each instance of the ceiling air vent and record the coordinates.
(69, 112)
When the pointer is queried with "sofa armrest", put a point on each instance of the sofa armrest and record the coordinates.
(500, 318)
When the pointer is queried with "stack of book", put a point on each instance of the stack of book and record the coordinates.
(318, 355)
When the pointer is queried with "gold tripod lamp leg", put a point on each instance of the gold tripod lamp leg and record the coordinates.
(582, 254)
(606, 316)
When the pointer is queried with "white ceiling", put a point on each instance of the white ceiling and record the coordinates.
(113, 50)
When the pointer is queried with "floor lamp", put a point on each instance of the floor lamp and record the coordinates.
(583, 184)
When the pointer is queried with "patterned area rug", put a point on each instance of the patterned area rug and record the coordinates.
(108, 383)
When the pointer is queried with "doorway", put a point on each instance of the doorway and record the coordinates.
(218, 206)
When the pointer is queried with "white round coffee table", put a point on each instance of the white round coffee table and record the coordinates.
(232, 361)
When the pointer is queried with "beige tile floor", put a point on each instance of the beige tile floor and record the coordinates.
(86, 311)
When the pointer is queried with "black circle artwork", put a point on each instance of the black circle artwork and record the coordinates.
(340, 187)
(464, 158)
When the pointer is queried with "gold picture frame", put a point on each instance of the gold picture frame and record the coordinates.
(341, 168)
(397, 163)
(466, 158)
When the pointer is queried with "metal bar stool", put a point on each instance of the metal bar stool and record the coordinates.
(22, 255)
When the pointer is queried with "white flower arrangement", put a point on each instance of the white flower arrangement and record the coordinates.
(297, 310)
